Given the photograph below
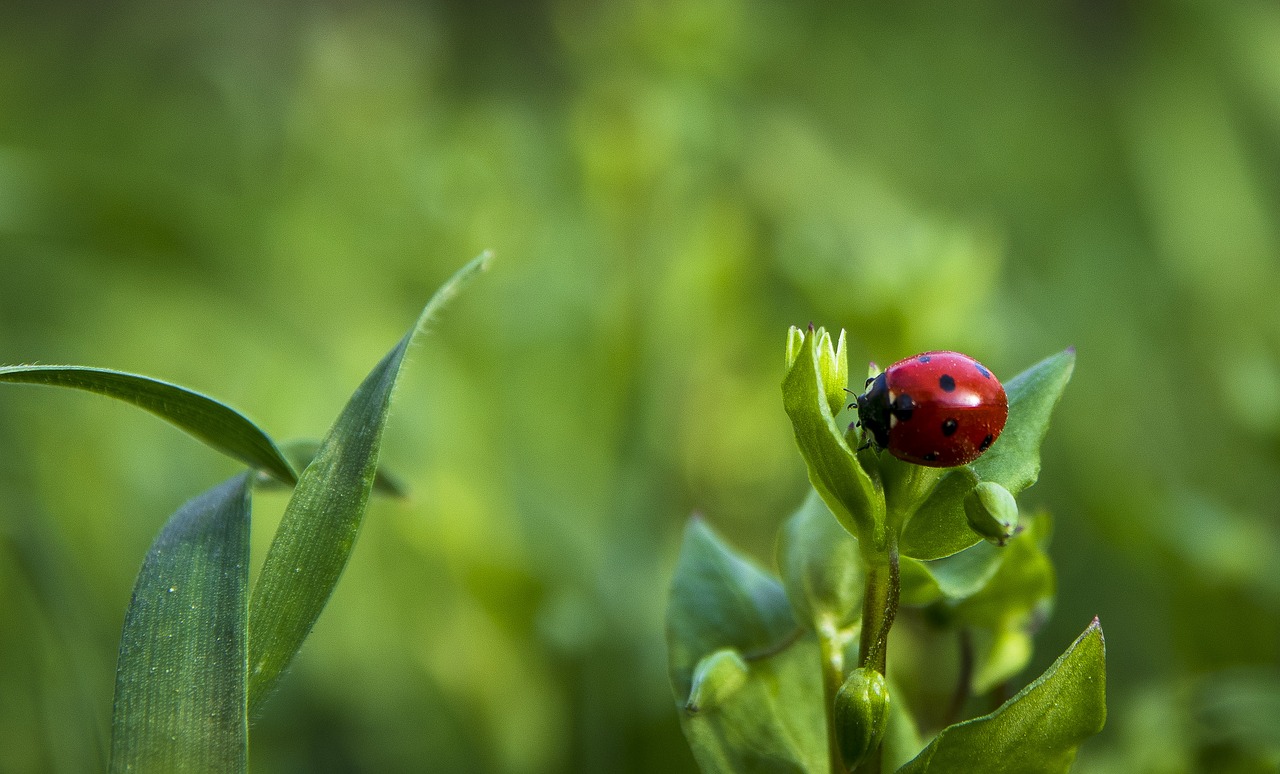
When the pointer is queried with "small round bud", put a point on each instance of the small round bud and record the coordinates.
(716, 678)
(992, 512)
(862, 715)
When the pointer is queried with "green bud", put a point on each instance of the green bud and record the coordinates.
(833, 365)
(992, 512)
(716, 678)
(862, 715)
(795, 341)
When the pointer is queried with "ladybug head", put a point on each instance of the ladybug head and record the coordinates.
(874, 410)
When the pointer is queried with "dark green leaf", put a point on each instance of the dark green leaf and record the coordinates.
(1036, 732)
(821, 566)
(773, 723)
(720, 600)
(1014, 460)
(846, 488)
(180, 701)
(216, 424)
(939, 528)
(318, 530)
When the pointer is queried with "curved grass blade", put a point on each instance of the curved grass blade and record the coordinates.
(181, 692)
(321, 522)
(215, 423)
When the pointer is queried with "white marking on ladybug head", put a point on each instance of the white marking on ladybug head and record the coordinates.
(893, 421)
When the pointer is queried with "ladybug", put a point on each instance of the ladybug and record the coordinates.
(939, 409)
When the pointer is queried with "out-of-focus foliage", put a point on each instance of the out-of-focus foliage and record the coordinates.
(190, 191)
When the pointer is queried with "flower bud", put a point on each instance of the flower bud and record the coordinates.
(992, 512)
(833, 365)
(716, 678)
(862, 715)
(795, 342)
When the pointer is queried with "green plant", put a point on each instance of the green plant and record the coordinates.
(792, 674)
(199, 653)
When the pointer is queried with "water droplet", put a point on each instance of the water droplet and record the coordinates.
(172, 589)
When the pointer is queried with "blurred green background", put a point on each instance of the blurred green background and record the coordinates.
(254, 199)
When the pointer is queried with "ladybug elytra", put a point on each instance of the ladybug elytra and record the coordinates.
(939, 409)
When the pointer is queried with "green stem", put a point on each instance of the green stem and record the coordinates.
(880, 608)
(832, 678)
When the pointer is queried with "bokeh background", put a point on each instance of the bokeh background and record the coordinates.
(255, 199)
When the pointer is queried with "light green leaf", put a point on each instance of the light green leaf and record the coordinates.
(821, 566)
(939, 528)
(216, 424)
(856, 500)
(953, 578)
(1036, 732)
(1007, 610)
(318, 530)
(180, 702)
(773, 723)
(720, 600)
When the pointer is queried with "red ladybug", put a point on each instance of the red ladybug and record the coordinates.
(939, 409)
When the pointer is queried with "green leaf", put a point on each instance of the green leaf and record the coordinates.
(821, 566)
(1008, 609)
(720, 600)
(318, 530)
(1036, 732)
(772, 723)
(216, 424)
(846, 488)
(180, 682)
(301, 453)
(955, 577)
(939, 527)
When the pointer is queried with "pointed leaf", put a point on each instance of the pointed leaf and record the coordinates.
(318, 530)
(834, 470)
(939, 528)
(772, 723)
(821, 566)
(719, 600)
(1036, 732)
(216, 424)
(180, 682)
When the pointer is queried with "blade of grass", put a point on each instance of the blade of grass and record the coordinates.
(215, 423)
(318, 530)
(181, 688)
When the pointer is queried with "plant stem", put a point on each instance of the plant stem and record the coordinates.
(880, 607)
(964, 680)
(831, 646)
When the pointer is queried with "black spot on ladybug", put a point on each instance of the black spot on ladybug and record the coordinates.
(930, 457)
(986, 442)
(946, 382)
(924, 358)
(949, 426)
(902, 407)
(985, 373)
